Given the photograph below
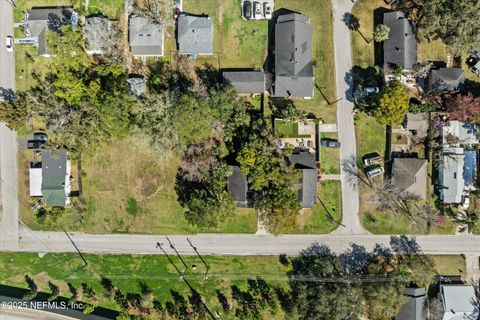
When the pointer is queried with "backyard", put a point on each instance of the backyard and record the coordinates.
(128, 189)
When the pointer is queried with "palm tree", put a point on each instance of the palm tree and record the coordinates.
(381, 33)
(467, 220)
(353, 23)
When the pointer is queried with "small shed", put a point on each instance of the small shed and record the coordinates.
(35, 181)
(246, 82)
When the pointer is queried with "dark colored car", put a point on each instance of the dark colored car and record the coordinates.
(40, 136)
(247, 9)
(330, 143)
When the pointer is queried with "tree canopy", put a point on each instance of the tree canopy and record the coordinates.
(392, 104)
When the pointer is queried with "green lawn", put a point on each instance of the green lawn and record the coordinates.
(26, 62)
(449, 265)
(370, 135)
(121, 174)
(327, 213)
(110, 8)
(329, 157)
(287, 129)
(432, 50)
(129, 272)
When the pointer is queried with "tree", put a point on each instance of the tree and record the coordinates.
(353, 23)
(392, 104)
(55, 291)
(32, 287)
(452, 22)
(467, 220)
(463, 107)
(381, 32)
(15, 112)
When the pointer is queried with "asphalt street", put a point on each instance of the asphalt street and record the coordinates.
(8, 139)
(346, 130)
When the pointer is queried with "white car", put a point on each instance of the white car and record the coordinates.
(466, 201)
(257, 10)
(374, 172)
(9, 43)
(371, 90)
(267, 10)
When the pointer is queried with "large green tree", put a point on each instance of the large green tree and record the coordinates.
(392, 104)
(454, 22)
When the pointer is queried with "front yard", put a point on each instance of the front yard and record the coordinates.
(329, 157)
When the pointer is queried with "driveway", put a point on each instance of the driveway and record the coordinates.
(346, 129)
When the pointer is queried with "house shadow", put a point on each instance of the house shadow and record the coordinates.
(378, 46)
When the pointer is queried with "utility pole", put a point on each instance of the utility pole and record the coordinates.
(205, 276)
(178, 255)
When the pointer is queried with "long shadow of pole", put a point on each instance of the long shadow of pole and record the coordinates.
(325, 97)
(201, 258)
(178, 255)
(328, 213)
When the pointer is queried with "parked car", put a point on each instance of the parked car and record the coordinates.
(247, 9)
(330, 143)
(374, 172)
(257, 10)
(40, 136)
(9, 43)
(372, 159)
(267, 10)
(466, 201)
(371, 90)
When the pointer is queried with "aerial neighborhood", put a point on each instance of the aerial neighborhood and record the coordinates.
(240, 159)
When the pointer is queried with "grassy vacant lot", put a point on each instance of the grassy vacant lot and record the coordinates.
(370, 135)
(324, 216)
(329, 157)
(26, 62)
(128, 189)
(129, 272)
(110, 8)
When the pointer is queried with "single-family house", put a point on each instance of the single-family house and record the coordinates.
(409, 176)
(41, 19)
(458, 133)
(416, 306)
(459, 302)
(246, 82)
(293, 67)
(446, 79)
(50, 179)
(452, 183)
(194, 35)
(401, 46)
(97, 32)
(417, 124)
(238, 187)
(303, 160)
(145, 37)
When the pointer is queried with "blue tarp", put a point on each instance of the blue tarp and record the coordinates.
(470, 168)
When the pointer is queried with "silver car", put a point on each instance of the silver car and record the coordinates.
(257, 10)
(9, 43)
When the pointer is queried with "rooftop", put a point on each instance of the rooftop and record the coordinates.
(237, 185)
(293, 57)
(194, 34)
(54, 177)
(307, 186)
(446, 79)
(401, 46)
(145, 38)
(246, 82)
(97, 32)
(451, 175)
(459, 302)
(410, 176)
(458, 133)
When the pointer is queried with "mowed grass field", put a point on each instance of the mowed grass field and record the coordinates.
(127, 189)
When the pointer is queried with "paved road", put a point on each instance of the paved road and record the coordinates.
(8, 139)
(346, 130)
(230, 244)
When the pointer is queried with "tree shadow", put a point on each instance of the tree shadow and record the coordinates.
(7, 95)
(353, 23)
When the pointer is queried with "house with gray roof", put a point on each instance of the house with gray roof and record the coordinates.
(293, 68)
(458, 133)
(409, 176)
(246, 82)
(194, 35)
(145, 38)
(303, 160)
(459, 302)
(416, 306)
(238, 187)
(401, 46)
(452, 183)
(98, 33)
(446, 79)
(42, 19)
(56, 173)
(417, 123)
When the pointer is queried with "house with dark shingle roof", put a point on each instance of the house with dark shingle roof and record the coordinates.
(303, 160)
(98, 30)
(42, 19)
(401, 46)
(293, 69)
(145, 38)
(417, 123)
(409, 176)
(238, 187)
(55, 177)
(246, 82)
(446, 79)
(194, 35)
(416, 306)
